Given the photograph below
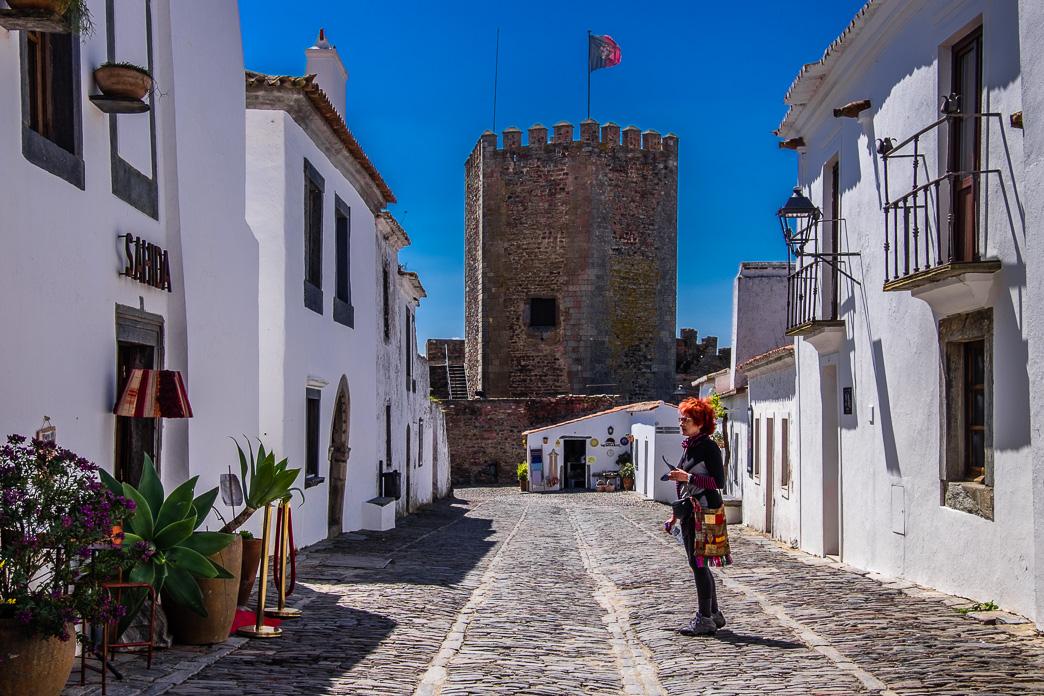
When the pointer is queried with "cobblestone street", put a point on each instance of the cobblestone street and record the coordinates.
(496, 592)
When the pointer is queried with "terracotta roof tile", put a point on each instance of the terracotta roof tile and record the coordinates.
(770, 356)
(306, 83)
(638, 407)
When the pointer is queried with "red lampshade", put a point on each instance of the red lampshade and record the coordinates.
(154, 394)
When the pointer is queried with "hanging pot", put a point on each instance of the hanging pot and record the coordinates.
(122, 81)
(32, 665)
(46, 5)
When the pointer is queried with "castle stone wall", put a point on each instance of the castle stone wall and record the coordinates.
(591, 223)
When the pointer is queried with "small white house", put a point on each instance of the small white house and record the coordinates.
(574, 453)
(651, 445)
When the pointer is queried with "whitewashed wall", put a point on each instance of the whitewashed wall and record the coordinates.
(59, 270)
(889, 447)
(301, 348)
(1031, 33)
(771, 394)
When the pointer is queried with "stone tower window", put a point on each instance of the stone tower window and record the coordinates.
(543, 312)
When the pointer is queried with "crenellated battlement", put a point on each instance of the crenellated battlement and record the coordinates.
(563, 132)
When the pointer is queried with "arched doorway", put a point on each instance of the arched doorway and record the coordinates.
(339, 451)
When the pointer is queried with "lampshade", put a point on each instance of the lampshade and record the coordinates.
(154, 394)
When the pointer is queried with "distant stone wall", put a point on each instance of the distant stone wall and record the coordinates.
(489, 431)
(696, 358)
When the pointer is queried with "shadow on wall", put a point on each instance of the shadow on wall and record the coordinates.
(885, 410)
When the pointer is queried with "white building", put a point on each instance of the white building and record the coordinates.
(917, 355)
(574, 453)
(75, 181)
(316, 204)
(769, 501)
(758, 327)
(411, 427)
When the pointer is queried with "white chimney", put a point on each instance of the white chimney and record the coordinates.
(323, 61)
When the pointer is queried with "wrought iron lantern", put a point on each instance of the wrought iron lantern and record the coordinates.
(798, 220)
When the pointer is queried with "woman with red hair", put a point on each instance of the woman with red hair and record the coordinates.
(700, 511)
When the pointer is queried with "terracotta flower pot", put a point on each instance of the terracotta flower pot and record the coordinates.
(523, 485)
(121, 81)
(48, 5)
(628, 484)
(250, 565)
(33, 666)
(219, 599)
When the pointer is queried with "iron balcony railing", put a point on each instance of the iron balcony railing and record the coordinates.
(937, 221)
(813, 290)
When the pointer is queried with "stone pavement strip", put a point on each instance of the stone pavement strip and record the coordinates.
(496, 592)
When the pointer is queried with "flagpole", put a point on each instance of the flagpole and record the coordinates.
(588, 74)
(496, 72)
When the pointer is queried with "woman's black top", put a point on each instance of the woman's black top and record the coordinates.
(703, 449)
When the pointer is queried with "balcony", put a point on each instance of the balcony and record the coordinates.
(812, 301)
(935, 233)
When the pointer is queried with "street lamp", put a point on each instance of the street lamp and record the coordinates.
(798, 220)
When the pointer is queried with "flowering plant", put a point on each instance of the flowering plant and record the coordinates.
(53, 512)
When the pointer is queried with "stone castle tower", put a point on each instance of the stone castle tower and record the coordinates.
(571, 262)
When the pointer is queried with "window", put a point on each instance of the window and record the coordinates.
(770, 446)
(757, 449)
(966, 83)
(420, 443)
(385, 293)
(784, 453)
(967, 466)
(52, 137)
(974, 398)
(312, 437)
(344, 313)
(543, 312)
(313, 238)
(406, 341)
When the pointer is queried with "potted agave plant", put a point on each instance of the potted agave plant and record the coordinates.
(53, 513)
(123, 80)
(265, 481)
(176, 558)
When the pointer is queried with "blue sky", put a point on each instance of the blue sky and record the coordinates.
(420, 93)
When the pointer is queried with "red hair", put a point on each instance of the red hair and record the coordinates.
(701, 413)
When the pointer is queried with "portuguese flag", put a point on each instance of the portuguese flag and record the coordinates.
(602, 52)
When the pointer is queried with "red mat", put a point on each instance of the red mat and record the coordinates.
(249, 618)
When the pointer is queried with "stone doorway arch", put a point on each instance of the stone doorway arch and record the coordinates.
(339, 451)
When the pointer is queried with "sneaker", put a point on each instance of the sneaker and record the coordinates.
(699, 626)
(719, 619)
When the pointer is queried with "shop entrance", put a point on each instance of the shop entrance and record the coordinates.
(139, 344)
(574, 451)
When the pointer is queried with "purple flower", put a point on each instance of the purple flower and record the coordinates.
(66, 521)
(16, 439)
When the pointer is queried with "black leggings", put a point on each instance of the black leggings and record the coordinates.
(706, 591)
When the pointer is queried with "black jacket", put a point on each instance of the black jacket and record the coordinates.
(703, 450)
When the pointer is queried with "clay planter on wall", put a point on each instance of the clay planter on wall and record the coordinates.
(219, 599)
(47, 5)
(248, 575)
(34, 666)
(122, 81)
